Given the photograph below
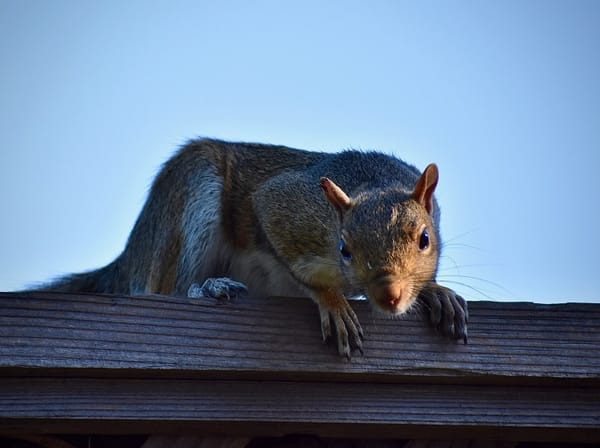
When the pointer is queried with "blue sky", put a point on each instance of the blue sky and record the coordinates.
(504, 96)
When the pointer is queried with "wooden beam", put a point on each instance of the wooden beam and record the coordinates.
(276, 408)
(99, 363)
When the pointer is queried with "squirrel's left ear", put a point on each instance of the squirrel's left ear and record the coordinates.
(425, 187)
(335, 195)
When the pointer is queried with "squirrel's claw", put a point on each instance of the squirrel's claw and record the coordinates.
(448, 312)
(325, 324)
(349, 333)
(217, 288)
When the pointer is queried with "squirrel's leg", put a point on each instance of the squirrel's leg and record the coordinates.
(334, 306)
(217, 288)
(448, 311)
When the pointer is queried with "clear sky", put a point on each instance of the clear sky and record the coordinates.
(503, 95)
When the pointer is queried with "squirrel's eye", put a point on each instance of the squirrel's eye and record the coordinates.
(345, 253)
(424, 240)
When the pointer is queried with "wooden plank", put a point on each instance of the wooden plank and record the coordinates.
(54, 405)
(79, 335)
(76, 363)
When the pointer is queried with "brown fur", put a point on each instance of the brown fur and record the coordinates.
(256, 213)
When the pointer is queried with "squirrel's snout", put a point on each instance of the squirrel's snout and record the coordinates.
(392, 295)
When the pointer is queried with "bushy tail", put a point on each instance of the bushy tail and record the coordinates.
(103, 280)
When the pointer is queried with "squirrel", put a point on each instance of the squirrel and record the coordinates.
(224, 219)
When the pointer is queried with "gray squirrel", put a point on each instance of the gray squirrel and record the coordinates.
(225, 218)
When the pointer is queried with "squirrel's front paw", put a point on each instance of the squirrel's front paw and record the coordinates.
(349, 333)
(217, 288)
(447, 310)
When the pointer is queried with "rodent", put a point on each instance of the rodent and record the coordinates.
(279, 221)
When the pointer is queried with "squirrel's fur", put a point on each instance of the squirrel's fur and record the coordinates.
(276, 219)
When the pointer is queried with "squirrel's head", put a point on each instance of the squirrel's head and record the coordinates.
(389, 243)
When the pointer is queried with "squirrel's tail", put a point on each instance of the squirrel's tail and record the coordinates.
(103, 280)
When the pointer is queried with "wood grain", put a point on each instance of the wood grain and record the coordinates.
(277, 408)
(110, 364)
(151, 335)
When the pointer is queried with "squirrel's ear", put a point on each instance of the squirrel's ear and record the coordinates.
(335, 195)
(425, 187)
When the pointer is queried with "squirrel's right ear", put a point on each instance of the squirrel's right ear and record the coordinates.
(335, 195)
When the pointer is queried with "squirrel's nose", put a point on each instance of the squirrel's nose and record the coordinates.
(392, 295)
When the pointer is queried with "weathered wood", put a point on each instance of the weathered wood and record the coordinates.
(515, 342)
(276, 408)
(76, 363)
